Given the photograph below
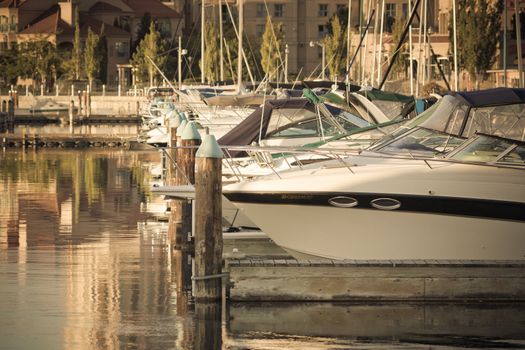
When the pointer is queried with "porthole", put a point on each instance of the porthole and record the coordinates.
(343, 202)
(385, 203)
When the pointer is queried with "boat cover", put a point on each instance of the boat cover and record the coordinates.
(490, 97)
(238, 100)
(247, 131)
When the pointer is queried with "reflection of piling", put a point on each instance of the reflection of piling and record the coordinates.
(10, 113)
(208, 330)
(208, 221)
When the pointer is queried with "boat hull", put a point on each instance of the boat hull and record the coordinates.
(369, 234)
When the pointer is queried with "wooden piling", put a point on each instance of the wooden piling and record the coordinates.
(190, 140)
(80, 102)
(179, 179)
(208, 222)
(88, 103)
(71, 115)
(11, 111)
(171, 180)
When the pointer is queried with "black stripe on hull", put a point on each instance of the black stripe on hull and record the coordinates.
(490, 209)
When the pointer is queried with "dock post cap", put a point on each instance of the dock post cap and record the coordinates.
(181, 127)
(175, 121)
(190, 132)
(209, 148)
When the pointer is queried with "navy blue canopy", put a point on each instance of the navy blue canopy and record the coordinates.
(490, 97)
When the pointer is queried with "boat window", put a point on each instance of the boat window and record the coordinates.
(305, 128)
(504, 121)
(456, 120)
(422, 142)
(487, 149)
(283, 116)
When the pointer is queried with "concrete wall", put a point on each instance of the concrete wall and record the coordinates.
(100, 105)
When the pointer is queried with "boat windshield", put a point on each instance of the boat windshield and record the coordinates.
(506, 121)
(421, 142)
(490, 149)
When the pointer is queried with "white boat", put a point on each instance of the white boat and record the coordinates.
(470, 205)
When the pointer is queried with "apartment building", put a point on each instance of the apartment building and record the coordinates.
(53, 20)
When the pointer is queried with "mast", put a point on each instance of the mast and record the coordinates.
(518, 42)
(411, 63)
(348, 36)
(203, 79)
(240, 51)
(380, 53)
(456, 82)
(221, 54)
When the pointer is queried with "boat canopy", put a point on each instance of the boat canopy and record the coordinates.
(466, 113)
(238, 100)
(248, 130)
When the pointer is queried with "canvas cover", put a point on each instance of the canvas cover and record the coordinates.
(248, 130)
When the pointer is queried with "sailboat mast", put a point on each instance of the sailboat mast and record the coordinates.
(411, 63)
(240, 51)
(203, 80)
(221, 54)
(456, 74)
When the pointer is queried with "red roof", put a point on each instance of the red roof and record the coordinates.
(154, 7)
(50, 23)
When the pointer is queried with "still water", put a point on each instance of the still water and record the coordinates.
(84, 265)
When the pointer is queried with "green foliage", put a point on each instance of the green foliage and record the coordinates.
(335, 47)
(91, 58)
(150, 46)
(271, 47)
(142, 30)
(39, 60)
(76, 55)
(211, 58)
(397, 30)
(9, 61)
(102, 53)
(478, 26)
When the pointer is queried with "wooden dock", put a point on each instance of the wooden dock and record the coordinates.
(377, 280)
(65, 141)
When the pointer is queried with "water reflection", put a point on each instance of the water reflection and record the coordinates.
(82, 267)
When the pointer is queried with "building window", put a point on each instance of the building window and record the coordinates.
(122, 49)
(322, 30)
(164, 27)
(278, 10)
(261, 10)
(259, 29)
(340, 8)
(390, 11)
(4, 24)
(404, 10)
(323, 10)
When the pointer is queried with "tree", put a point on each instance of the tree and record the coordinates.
(398, 27)
(9, 60)
(335, 45)
(271, 47)
(39, 60)
(211, 58)
(478, 30)
(150, 47)
(91, 57)
(76, 55)
(143, 30)
(102, 53)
